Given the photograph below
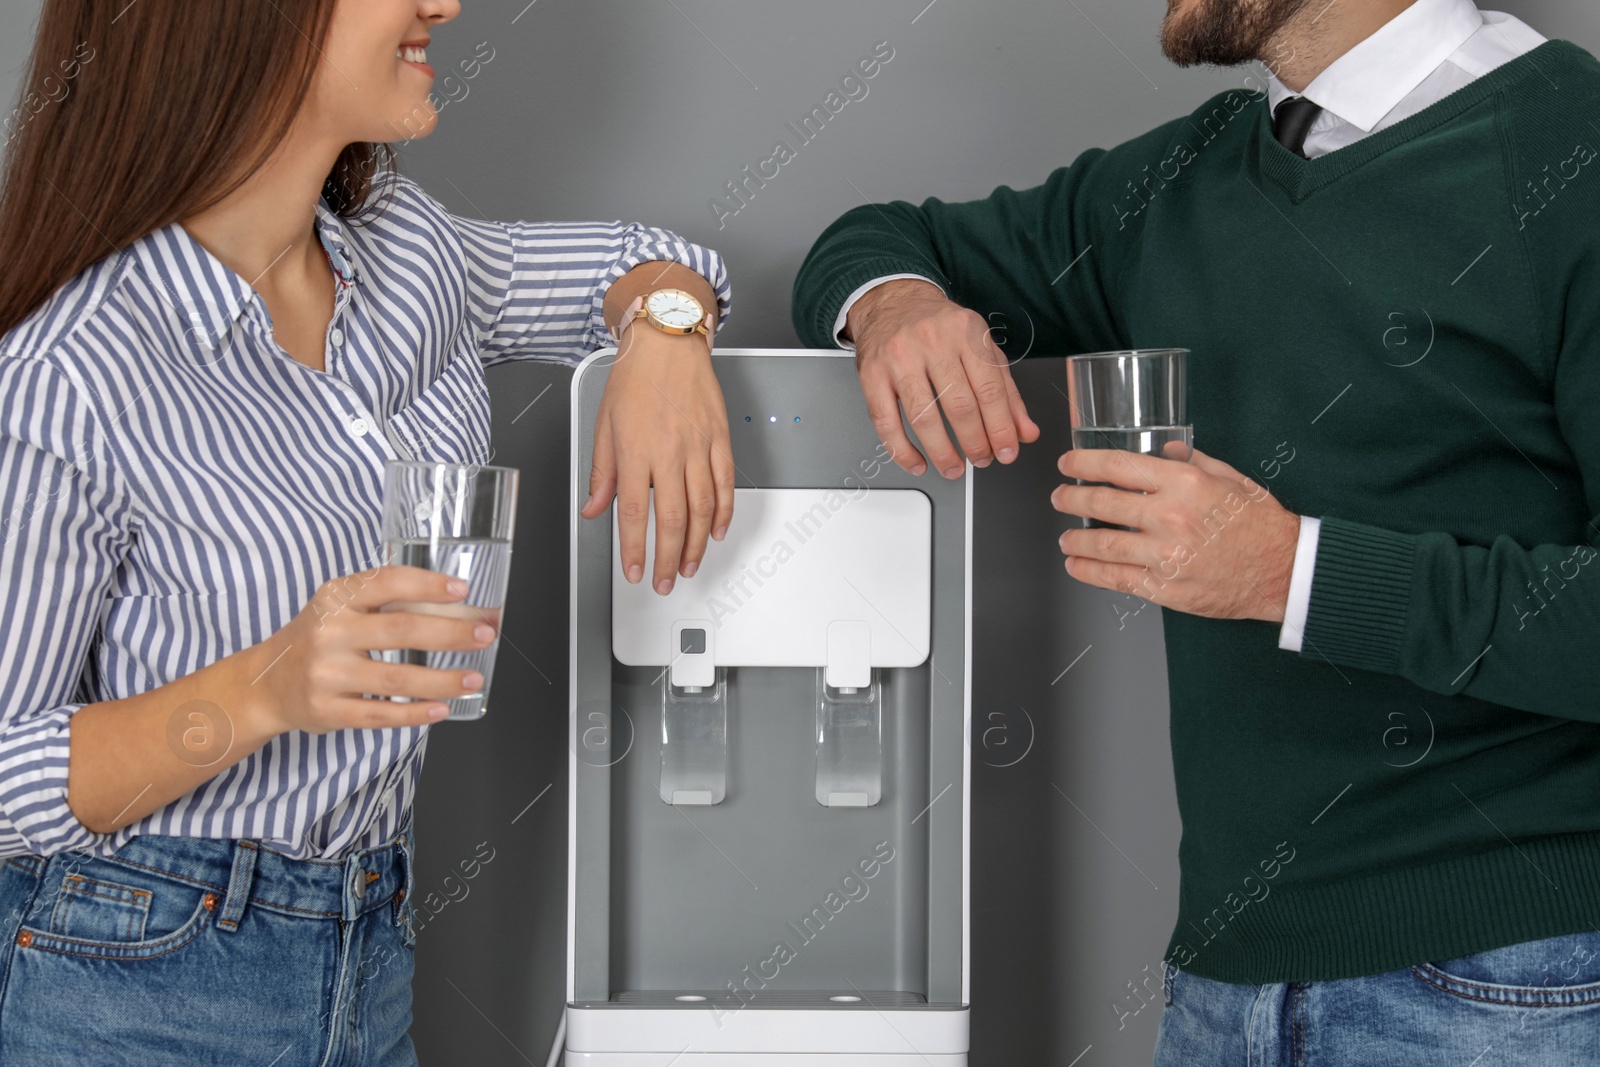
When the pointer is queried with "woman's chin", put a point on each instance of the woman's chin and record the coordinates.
(419, 121)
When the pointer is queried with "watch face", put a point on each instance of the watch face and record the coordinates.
(675, 308)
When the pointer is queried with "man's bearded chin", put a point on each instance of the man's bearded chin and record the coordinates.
(1223, 33)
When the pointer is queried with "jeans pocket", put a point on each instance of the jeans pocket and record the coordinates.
(1550, 973)
(87, 908)
(104, 910)
(1169, 978)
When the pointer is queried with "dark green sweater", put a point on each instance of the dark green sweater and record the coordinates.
(1402, 338)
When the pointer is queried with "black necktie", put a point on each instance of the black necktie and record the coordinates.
(1291, 122)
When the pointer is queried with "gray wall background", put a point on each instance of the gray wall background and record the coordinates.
(643, 109)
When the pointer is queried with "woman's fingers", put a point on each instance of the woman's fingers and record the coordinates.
(354, 713)
(701, 492)
(672, 523)
(602, 472)
(370, 590)
(722, 472)
(667, 431)
(633, 514)
(429, 627)
(412, 680)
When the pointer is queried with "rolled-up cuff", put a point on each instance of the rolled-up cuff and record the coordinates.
(661, 246)
(34, 760)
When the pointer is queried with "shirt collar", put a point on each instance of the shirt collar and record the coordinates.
(205, 296)
(1370, 80)
(331, 231)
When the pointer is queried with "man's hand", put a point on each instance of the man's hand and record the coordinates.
(916, 348)
(1206, 540)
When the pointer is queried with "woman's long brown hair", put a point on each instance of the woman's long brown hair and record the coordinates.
(137, 115)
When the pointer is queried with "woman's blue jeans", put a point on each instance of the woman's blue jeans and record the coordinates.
(205, 951)
(1536, 1004)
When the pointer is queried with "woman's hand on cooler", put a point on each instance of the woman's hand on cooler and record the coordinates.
(315, 669)
(918, 349)
(662, 423)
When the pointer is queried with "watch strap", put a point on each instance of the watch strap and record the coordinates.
(636, 310)
(633, 312)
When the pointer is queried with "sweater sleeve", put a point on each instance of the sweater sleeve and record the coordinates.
(1038, 263)
(536, 290)
(1503, 623)
(66, 522)
(1510, 623)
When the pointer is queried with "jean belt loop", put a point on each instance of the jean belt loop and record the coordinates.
(407, 852)
(239, 883)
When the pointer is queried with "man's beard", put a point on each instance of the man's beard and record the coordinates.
(1224, 32)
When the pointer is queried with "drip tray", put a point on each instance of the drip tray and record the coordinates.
(872, 999)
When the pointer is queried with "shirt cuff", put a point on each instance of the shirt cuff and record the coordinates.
(1292, 633)
(850, 302)
(649, 245)
(34, 815)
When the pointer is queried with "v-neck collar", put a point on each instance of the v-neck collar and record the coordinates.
(1301, 177)
(1375, 76)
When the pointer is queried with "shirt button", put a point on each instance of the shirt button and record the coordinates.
(336, 338)
(358, 427)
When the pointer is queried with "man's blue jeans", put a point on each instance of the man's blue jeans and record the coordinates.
(1536, 1004)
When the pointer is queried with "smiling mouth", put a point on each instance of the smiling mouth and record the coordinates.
(412, 54)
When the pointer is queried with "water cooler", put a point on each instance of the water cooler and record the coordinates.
(769, 767)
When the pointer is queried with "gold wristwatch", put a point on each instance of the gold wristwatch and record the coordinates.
(670, 311)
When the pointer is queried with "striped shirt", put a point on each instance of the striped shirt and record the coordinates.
(175, 486)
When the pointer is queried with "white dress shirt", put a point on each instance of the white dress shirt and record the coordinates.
(1418, 58)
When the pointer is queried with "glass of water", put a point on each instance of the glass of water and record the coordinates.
(1133, 401)
(458, 519)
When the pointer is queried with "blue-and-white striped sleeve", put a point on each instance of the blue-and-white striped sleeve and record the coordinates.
(536, 290)
(65, 518)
